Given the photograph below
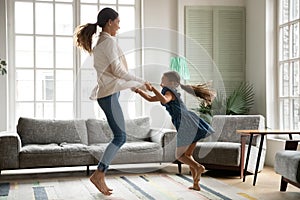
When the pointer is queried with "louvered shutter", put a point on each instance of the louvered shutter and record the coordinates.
(198, 46)
(229, 45)
(220, 31)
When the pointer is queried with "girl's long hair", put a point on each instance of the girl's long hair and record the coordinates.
(202, 91)
(83, 35)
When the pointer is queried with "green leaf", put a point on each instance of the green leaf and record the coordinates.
(2, 67)
(3, 62)
(241, 100)
(3, 70)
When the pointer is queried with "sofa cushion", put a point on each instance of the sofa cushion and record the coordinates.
(50, 155)
(287, 164)
(136, 129)
(41, 131)
(131, 152)
(218, 153)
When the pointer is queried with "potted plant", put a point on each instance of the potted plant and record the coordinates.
(239, 102)
(2, 67)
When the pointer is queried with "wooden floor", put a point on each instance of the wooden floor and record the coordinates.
(266, 188)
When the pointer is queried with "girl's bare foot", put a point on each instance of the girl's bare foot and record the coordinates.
(200, 169)
(193, 172)
(196, 173)
(196, 177)
(97, 179)
(195, 187)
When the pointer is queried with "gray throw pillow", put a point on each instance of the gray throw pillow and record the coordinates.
(98, 131)
(138, 129)
(41, 131)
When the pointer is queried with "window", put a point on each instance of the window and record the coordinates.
(288, 63)
(51, 77)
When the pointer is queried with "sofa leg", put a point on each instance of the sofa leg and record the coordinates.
(283, 185)
(179, 167)
(87, 170)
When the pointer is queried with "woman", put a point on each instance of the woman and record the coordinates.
(112, 77)
(190, 128)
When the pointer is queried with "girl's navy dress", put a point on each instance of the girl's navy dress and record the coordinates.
(190, 127)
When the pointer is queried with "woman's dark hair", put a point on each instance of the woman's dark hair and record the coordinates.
(84, 33)
(105, 15)
(202, 91)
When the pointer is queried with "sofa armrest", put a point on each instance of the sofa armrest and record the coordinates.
(10, 145)
(160, 135)
(167, 139)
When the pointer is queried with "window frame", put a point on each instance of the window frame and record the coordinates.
(287, 95)
(76, 99)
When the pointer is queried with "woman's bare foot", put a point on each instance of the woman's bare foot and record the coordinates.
(99, 175)
(97, 179)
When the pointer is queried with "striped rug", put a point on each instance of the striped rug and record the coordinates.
(150, 186)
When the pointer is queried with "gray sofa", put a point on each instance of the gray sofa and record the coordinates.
(287, 164)
(223, 150)
(60, 143)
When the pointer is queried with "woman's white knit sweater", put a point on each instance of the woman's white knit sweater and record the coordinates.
(111, 68)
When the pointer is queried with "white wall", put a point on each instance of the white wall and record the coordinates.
(261, 66)
(256, 52)
(160, 36)
(3, 79)
(272, 104)
(261, 57)
(273, 145)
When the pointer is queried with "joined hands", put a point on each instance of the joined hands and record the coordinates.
(148, 86)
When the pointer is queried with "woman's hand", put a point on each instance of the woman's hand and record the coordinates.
(149, 86)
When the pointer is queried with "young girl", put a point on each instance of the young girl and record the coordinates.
(190, 128)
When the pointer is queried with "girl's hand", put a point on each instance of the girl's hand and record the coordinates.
(137, 90)
(148, 86)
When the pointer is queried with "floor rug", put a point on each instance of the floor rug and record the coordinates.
(150, 186)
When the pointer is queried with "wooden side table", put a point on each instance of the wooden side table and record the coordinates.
(262, 133)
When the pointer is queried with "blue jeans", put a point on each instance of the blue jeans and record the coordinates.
(114, 114)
